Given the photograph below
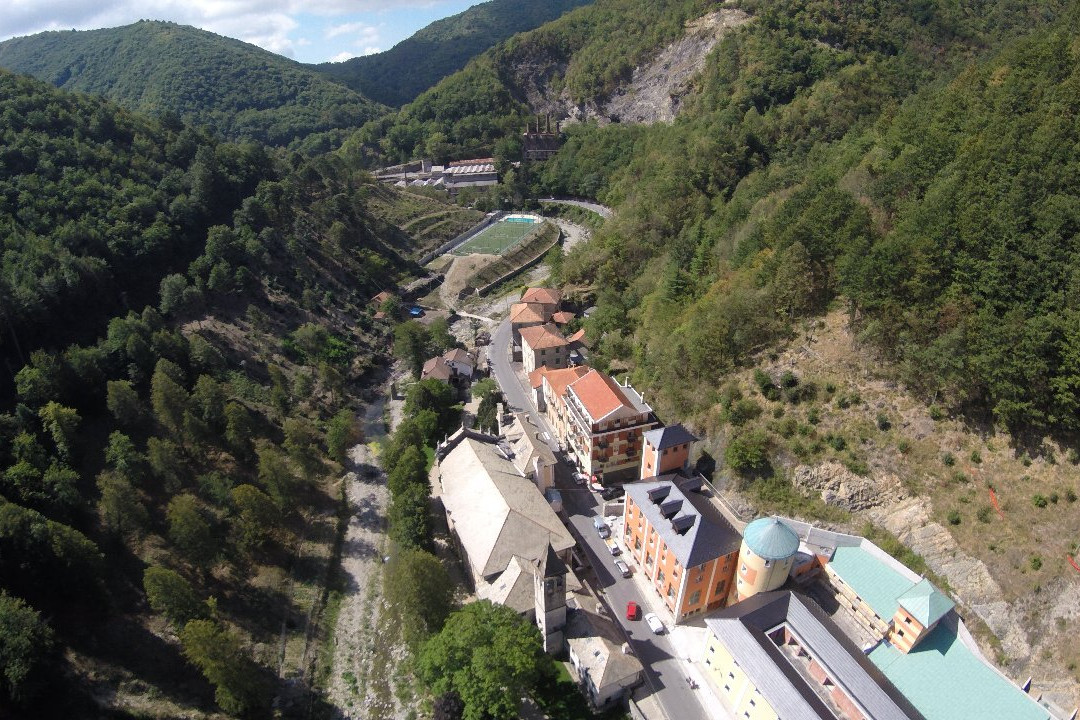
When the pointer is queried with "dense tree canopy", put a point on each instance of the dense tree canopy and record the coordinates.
(489, 655)
(161, 68)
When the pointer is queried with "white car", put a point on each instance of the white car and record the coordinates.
(654, 623)
(595, 486)
(623, 568)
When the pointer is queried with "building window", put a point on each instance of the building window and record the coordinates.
(695, 598)
(670, 592)
(660, 576)
(907, 620)
(752, 703)
(637, 543)
(743, 568)
(720, 588)
(727, 688)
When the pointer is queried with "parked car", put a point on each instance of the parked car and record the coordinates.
(595, 486)
(623, 569)
(613, 492)
(632, 609)
(580, 478)
(654, 623)
(613, 546)
(602, 528)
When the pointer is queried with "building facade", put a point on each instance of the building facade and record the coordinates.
(543, 346)
(603, 424)
(683, 545)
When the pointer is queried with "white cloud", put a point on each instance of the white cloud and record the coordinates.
(342, 56)
(267, 23)
(371, 50)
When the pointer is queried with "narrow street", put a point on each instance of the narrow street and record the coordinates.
(666, 668)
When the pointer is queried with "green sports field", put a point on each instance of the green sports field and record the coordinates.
(496, 239)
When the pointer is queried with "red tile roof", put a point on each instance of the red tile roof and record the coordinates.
(559, 379)
(527, 313)
(543, 336)
(599, 394)
(547, 296)
(562, 317)
(437, 369)
(578, 337)
(536, 377)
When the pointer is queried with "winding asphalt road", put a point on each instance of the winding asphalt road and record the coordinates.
(665, 673)
(601, 210)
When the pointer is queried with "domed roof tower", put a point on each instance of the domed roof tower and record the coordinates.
(765, 557)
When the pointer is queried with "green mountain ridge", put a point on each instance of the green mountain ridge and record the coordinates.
(237, 89)
(398, 75)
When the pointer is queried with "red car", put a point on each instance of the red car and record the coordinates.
(632, 611)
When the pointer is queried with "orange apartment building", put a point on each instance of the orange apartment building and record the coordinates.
(602, 426)
(682, 543)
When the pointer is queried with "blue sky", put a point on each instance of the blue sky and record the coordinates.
(305, 30)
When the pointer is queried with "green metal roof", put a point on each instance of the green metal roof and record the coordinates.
(944, 680)
(926, 603)
(771, 539)
(873, 580)
(941, 677)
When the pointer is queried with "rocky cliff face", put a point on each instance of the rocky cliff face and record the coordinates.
(654, 93)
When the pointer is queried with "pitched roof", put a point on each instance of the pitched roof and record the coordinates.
(562, 317)
(543, 295)
(527, 313)
(706, 533)
(559, 379)
(604, 660)
(458, 355)
(579, 338)
(381, 297)
(536, 377)
(512, 588)
(550, 565)
(497, 513)
(771, 539)
(925, 602)
(528, 446)
(942, 676)
(742, 628)
(436, 369)
(945, 680)
(543, 336)
(874, 581)
(670, 436)
(600, 395)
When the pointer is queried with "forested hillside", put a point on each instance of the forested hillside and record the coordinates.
(158, 68)
(587, 52)
(182, 321)
(398, 75)
(871, 168)
(820, 143)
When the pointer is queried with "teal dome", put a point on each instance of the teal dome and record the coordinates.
(771, 539)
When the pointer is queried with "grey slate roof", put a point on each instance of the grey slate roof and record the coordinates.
(708, 534)
(741, 628)
(670, 436)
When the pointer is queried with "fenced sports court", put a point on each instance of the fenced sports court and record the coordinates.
(499, 237)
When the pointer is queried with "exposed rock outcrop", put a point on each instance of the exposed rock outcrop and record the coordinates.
(656, 90)
(840, 487)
